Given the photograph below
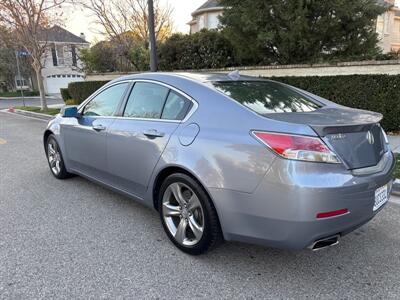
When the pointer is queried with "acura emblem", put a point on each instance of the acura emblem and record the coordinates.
(370, 138)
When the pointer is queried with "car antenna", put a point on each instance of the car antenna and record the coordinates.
(235, 75)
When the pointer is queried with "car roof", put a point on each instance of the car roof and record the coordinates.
(193, 76)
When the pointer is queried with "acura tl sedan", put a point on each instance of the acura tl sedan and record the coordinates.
(229, 157)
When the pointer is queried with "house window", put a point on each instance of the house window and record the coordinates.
(74, 58)
(54, 56)
(60, 55)
(386, 24)
(22, 82)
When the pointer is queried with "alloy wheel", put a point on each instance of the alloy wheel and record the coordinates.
(183, 214)
(54, 156)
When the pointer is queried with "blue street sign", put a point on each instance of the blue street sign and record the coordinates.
(23, 53)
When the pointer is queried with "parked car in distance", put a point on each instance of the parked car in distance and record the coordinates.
(229, 157)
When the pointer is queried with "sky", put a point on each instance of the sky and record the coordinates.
(81, 21)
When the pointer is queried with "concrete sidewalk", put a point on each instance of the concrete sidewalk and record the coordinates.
(394, 141)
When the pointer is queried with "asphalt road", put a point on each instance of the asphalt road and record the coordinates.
(73, 239)
(7, 103)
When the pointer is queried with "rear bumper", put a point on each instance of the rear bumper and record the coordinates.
(282, 211)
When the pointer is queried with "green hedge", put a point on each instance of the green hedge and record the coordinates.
(380, 93)
(65, 94)
(81, 90)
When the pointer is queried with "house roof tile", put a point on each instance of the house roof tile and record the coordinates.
(59, 34)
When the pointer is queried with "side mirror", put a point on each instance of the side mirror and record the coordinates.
(70, 112)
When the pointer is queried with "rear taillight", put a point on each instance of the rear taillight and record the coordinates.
(297, 147)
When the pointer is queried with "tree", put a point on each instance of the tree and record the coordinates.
(301, 31)
(201, 50)
(100, 58)
(106, 56)
(152, 37)
(126, 22)
(28, 21)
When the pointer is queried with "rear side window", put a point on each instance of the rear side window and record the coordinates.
(176, 107)
(266, 97)
(146, 101)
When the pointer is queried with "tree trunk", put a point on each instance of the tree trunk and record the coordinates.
(43, 101)
(152, 35)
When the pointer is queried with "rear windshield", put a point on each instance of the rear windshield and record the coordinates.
(266, 97)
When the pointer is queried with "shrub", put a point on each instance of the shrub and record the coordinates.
(70, 102)
(378, 93)
(81, 90)
(65, 94)
(201, 50)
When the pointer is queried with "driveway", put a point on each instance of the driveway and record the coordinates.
(73, 239)
(35, 101)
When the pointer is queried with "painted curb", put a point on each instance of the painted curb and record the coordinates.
(34, 114)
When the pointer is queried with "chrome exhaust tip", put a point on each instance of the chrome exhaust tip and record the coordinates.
(325, 243)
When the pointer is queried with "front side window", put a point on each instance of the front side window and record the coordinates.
(266, 97)
(106, 103)
(176, 107)
(146, 101)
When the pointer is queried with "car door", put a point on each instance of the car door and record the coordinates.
(85, 137)
(136, 141)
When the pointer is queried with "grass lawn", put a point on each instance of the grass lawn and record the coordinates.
(50, 111)
(397, 171)
(18, 94)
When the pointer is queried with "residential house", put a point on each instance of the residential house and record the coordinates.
(388, 27)
(387, 24)
(62, 64)
(206, 16)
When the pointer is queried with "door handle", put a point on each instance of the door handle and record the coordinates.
(99, 127)
(153, 133)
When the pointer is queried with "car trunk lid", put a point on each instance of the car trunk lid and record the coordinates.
(354, 135)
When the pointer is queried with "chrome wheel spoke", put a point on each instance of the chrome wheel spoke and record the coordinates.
(52, 162)
(193, 203)
(58, 168)
(171, 210)
(180, 234)
(176, 190)
(195, 227)
(51, 149)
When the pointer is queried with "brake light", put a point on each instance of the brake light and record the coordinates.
(297, 147)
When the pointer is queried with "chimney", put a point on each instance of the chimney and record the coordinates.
(82, 36)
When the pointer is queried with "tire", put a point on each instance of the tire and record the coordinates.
(188, 215)
(55, 158)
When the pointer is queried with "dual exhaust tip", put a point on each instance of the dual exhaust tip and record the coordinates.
(325, 243)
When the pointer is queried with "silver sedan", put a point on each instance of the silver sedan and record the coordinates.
(228, 157)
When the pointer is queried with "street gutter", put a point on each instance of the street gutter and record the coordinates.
(31, 114)
(29, 97)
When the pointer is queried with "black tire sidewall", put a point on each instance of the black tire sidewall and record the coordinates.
(209, 233)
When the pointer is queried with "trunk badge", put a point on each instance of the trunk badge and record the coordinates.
(370, 138)
(339, 136)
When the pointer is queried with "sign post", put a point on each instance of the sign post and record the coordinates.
(20, 78)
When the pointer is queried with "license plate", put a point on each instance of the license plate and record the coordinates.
(381, 196)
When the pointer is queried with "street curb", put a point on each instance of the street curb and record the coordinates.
(396, 187)
(34, 114)
(29, 97)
